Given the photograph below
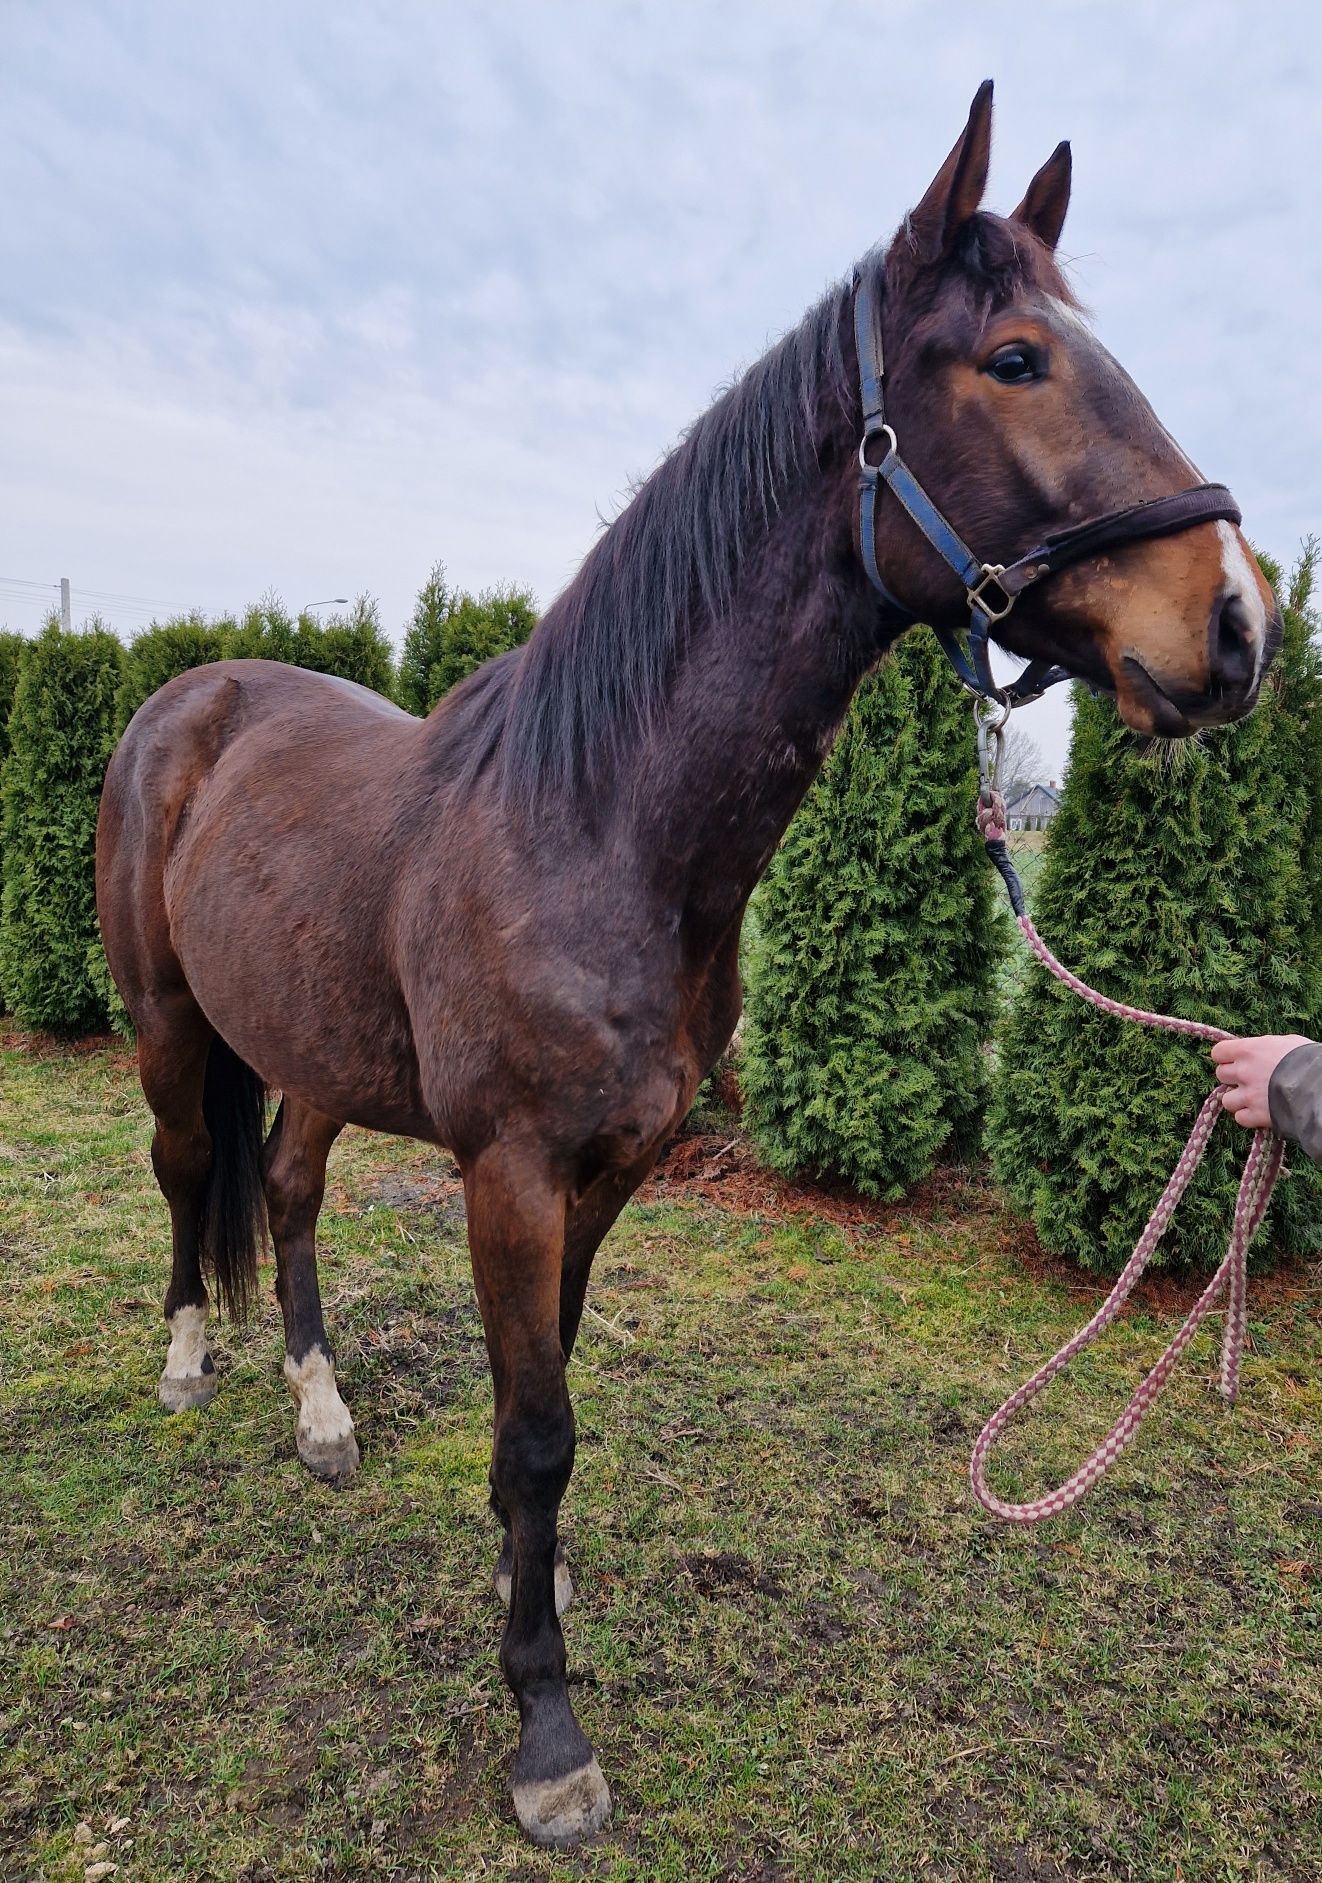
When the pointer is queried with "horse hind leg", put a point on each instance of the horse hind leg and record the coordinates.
(503, 1577)
(294, 1176)
(172, 1059)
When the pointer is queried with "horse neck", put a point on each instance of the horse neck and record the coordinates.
(755, 706)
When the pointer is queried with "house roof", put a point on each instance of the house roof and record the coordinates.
(1033, 800)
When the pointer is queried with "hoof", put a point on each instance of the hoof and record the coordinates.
(326, 1443)
(184, 1395)
(564, 1586)
(334, 1459)
(563, 1811)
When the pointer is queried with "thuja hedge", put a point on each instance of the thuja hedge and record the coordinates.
(61, 734)
(11, 648)
(72, 695)
(1187, 880)
(452, 633)
(352, 645)
(874, 944)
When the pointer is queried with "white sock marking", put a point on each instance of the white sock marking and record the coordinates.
(322, 1414)
(188, 1344)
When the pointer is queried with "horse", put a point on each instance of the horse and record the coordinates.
(511, 929)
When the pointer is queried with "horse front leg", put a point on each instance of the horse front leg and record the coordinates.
(516, 1232)
(586, 1227)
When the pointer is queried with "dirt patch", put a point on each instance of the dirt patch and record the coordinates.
(437, 1192)
(724, 1575)
(423, 1361)
(723, 1170)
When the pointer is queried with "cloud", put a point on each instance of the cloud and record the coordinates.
(308, 296)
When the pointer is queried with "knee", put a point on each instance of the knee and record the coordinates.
(533, 1457)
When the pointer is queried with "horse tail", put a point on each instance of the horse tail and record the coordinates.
(233, 1230)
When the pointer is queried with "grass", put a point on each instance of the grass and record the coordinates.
(799, 1649)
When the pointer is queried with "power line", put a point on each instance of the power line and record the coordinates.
(111, 595)
(94, 594)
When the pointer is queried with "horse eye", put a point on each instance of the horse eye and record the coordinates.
(1012, 366)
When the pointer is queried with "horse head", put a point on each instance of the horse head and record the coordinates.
(1020, 424)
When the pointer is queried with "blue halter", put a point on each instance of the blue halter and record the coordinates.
(991, 588)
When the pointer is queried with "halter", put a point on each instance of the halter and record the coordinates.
(992, 588)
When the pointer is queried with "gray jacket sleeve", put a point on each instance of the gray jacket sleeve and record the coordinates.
(1294, 1098)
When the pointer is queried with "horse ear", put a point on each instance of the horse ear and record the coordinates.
(1048, 197)
(957, 188)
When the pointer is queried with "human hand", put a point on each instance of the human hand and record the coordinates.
(1245, 1069)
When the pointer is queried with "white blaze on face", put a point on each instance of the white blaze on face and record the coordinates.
(322, 1414)
(1241, 580)
(188, 1344)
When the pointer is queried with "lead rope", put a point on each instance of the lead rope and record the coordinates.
(1261, 1168)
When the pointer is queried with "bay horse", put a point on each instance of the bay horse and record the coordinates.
(511, 929)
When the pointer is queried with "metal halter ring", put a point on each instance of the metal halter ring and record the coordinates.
(878, 431)
(989, 716)
(977, 595)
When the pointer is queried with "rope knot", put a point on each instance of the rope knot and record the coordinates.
(990, 815)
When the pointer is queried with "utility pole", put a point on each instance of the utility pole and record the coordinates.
(66, 606)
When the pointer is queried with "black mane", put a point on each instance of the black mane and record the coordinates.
(593, 675)
(597, 667)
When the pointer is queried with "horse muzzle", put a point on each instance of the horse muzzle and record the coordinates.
(1240, 649)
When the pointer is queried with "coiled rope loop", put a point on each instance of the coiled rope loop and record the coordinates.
(1261, 1169)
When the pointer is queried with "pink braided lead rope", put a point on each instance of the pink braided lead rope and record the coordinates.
(1261, 1169)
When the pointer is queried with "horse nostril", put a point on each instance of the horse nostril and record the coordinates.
(1234, 644)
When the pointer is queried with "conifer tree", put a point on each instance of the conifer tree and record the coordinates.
(11, 652)
(269, 632)
(355, 647)
(874, 945)
(423, 642)
(1188, 881)
(165, 649)
(61, 734)
(453, 633)
(479, 628)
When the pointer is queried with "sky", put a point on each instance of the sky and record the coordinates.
(307, 297)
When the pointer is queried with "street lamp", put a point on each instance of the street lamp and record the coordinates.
(331, 601)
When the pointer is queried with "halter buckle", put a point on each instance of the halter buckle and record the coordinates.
(978, 597)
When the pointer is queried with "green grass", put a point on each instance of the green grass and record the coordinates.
(799, 1649)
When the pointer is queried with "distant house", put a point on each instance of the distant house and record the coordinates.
(1033, 807)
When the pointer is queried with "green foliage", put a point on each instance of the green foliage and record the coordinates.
(269, 632)
(452, 633)
(351, 645)
(1190, 882)
(11, 653)
(423, 642)
(163, 650)
(355, 647)
(103, 986)
(871, 971)
(61, 733)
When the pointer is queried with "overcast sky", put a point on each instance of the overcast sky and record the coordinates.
(306, 296)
